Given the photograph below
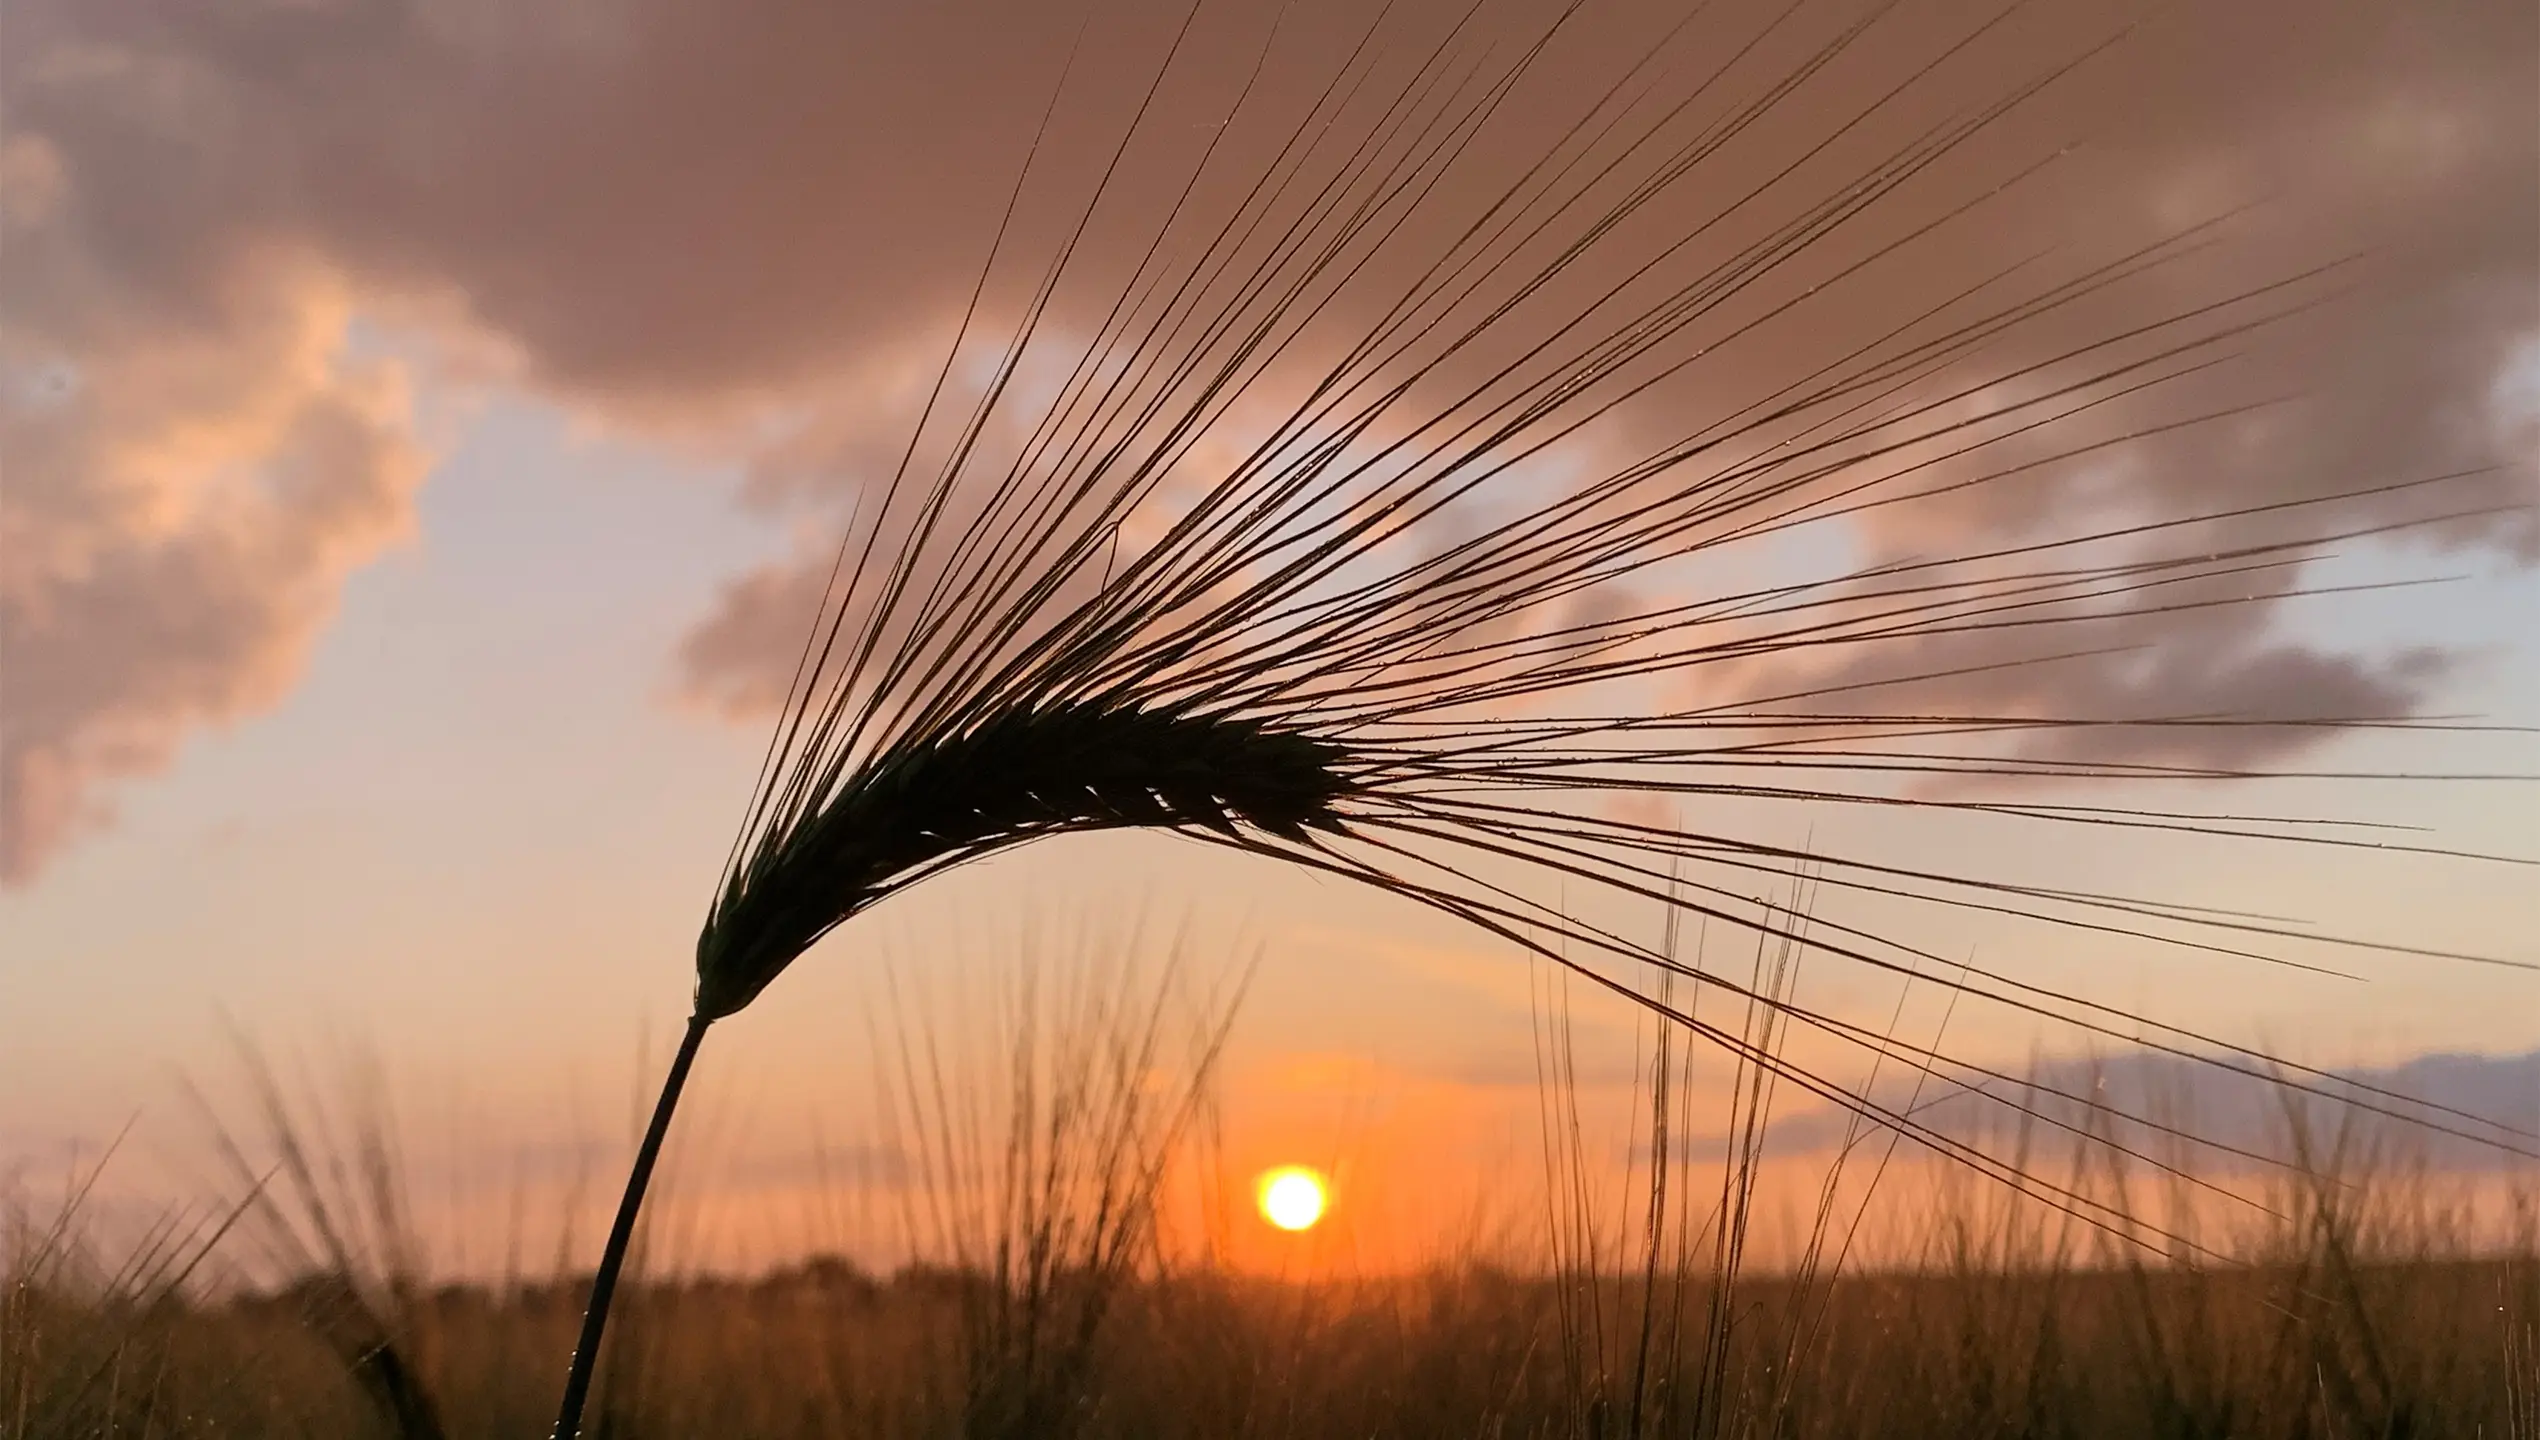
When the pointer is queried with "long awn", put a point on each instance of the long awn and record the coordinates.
(1320, 492)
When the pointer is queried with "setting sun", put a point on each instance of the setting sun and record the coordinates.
(1292, 1197)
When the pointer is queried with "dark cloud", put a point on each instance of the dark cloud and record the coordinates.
(2129, 1096)
(757, 228)
(2409, 137)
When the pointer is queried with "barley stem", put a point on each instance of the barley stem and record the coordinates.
(595, 1316)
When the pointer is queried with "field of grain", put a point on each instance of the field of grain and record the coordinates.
(2356, 1295)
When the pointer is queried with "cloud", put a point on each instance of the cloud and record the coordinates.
(2487, 1108)
(650, 213)
(180, 514)
(2415, 153)
(2367, 124)
(737, 229)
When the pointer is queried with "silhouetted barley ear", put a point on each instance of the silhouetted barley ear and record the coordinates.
(1379, 476)
(1021, 774)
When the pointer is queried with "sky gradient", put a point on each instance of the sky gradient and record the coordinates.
(423, 424)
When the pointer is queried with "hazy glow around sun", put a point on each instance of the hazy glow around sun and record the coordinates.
(1292, 1197)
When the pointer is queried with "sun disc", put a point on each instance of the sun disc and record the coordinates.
(1292, 1197)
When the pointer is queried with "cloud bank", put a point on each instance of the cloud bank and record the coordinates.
(754, 230)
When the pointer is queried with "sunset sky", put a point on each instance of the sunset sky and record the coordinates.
(418, 416)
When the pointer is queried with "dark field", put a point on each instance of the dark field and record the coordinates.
(2318, 1345)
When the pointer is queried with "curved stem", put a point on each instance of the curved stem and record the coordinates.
(595, 1316)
